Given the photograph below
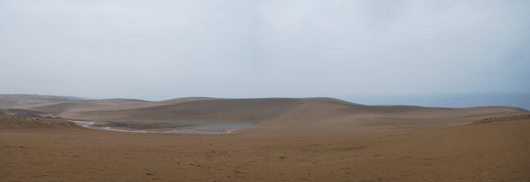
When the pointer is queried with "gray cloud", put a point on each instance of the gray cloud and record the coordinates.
(167, 49)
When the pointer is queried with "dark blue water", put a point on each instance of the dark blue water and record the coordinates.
(447, 100)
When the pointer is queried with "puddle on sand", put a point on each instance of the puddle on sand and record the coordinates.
(214, 127)
(84, 123)
(202, 127)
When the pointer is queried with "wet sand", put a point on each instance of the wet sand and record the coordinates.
(493, 151)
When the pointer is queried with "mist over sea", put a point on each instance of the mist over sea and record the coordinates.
(521, 100)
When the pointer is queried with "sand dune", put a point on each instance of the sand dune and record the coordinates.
(293, 115)
(276, 115)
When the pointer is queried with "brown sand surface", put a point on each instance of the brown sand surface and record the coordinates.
(52, 151)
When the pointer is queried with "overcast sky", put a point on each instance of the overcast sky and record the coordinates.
(158, 50)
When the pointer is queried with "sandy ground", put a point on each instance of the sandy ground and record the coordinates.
(50, 150)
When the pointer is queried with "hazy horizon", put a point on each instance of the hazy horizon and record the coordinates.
(459, 100)
(158, 50)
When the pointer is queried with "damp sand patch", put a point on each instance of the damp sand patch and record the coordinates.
(201, 127)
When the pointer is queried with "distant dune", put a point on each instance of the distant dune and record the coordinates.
(276, 115)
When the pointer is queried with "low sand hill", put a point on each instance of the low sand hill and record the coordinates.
(57, 105)
(15, 122)
(61, 108)
(23, 101)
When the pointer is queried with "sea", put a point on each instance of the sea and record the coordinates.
(520, 100)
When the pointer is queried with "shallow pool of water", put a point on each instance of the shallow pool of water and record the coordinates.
(228, 124)
(204, 127)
